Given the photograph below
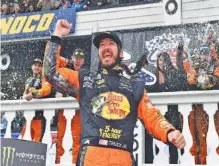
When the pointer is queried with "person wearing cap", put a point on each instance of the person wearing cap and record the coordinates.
(34, 80)
(208, 70)
(76, 62)
(109, 102)
(34, 84)
(33, 89)
(78, 59)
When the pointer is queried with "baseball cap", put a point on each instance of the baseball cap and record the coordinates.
(37, 60)
(102, 35)
(79, 53)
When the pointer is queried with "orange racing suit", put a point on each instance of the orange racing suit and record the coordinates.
(34, 85)
(75, 127)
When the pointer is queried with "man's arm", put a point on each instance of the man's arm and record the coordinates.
(152, 119)
(64, 80)
(45, 90)
(157, 125)
(63, 62)
(27, 95)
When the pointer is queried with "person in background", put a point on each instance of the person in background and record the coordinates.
(45, 5)
(16, 8)
(171, 78)
(166, 74)
(78, 5)
(4, 123)
(33, 90)
(18, 125)
(26, 4)
(57, 4)
(30, 8)
(22, 8)
(206, 68)
(76, 62)
(4, 9)
(64, 4)
(11, 8)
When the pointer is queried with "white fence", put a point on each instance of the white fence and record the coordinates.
(184, 100)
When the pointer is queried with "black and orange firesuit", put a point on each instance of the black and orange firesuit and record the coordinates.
(110, 105)
(33, 85)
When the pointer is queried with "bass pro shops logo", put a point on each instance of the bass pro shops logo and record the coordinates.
(8, 154)
(110, 105)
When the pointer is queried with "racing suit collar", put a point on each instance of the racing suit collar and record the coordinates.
(114, 71)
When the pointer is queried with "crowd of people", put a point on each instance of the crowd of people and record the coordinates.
(26, 6)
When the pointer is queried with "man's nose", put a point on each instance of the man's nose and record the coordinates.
(106, 49)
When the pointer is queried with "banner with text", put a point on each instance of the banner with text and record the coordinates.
(13, 153)
(36, 24)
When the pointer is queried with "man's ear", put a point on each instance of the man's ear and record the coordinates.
(121, 54)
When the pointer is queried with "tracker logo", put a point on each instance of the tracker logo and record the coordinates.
(8, 156)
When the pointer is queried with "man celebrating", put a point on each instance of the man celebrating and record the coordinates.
(109, 102)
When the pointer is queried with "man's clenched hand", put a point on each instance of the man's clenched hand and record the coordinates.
(62, 28)
(176, 138)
